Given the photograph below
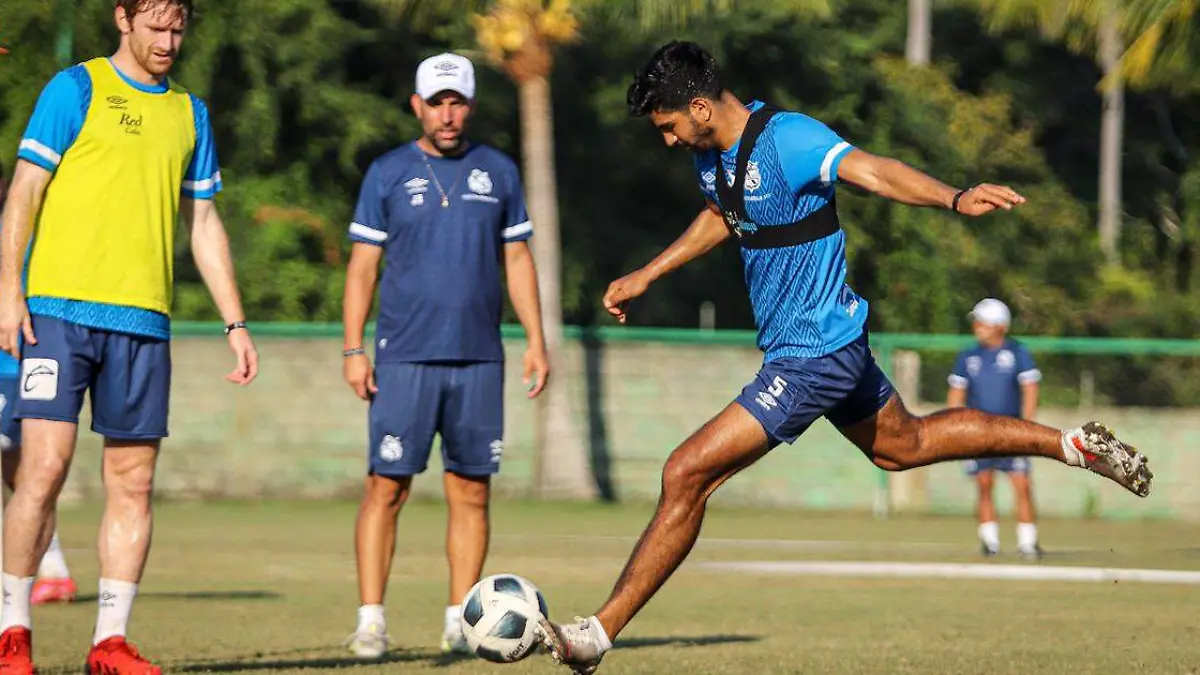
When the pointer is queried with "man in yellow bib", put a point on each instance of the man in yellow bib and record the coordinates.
(113, 154)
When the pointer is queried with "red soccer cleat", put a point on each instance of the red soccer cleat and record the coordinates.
(16, 652)
(47, 591)
(115, 656)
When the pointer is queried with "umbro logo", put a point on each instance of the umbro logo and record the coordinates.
(447, 67)
(416, 183)
(116, 102)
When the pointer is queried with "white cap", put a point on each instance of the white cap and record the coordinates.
(445, 72)
(992, 312)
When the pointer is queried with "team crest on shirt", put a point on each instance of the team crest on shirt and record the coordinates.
(1005, 361)
(974, 365)
(390, 449)
(753, 177)
(479, 182)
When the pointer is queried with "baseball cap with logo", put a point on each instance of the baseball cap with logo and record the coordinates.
(445, 72)
(992, 312)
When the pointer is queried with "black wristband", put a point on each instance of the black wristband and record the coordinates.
(957, 196)
(234, 326)
(353, 352)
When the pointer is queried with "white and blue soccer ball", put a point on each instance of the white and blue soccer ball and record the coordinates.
(500, 616)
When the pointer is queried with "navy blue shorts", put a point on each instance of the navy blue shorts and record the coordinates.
(1005, 464)
(789, 394)
(128, 376)
(462, 403)
(10, 428)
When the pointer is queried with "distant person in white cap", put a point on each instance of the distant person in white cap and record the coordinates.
(448, 216)
(998, 376)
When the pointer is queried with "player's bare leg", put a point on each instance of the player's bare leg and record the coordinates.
(989, 531)
(725, 445)
(1027, 539)
(896, 440)
(54, 582)
(467, 533)
(375, 545)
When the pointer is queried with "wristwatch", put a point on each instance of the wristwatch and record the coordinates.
(234, 326)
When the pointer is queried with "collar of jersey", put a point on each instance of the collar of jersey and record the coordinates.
(148, 88)
(732, 152)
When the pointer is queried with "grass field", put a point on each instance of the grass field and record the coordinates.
(270, 588)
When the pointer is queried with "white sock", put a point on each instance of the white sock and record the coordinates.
(989, 534)
(371, 615)
(54, 565)
(16, 601)
(1071, 454)
(116, 604)
(1026, 535)
(453, 614)
(601, 635)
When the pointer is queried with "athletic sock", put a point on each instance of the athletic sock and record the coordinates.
(1071, 453)
(1027, 537)
(989, 534)
(600, 633)
(116, 604)
(54, 565)
(371, 615)
(17, 591)
(453, 616)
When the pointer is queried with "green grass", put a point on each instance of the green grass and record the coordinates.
(270, 588)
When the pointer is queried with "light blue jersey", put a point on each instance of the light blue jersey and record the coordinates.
(802, 305)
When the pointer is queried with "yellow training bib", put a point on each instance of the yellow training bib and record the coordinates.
(106, 228)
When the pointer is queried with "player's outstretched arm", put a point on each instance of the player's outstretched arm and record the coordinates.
(362, 273)
(703, 235)
(523, 291)
(900, 182)
(20, 210)
(210, 249)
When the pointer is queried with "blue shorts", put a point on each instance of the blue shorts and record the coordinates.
(10, 428)
(128, 376)
(461, 402)
(789, 394)
(1005, 464)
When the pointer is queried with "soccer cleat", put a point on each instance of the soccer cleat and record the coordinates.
(454, 642)
(574, 646)
(115, 656)
(47, 591)
(1100, 451)
(16, 652)
(371, 643)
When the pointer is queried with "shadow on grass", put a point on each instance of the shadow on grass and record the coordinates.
(196, 595)
(291, 660)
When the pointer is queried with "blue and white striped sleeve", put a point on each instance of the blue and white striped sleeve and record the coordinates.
(958, 378)
(202, 180)
(57, 118)
(517, 226)
(370, 218)
(809, 151)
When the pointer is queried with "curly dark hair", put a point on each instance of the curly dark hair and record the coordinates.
(677, 73)
(132, 7)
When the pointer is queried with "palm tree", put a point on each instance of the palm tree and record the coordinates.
(520, 37)
(1102, 27)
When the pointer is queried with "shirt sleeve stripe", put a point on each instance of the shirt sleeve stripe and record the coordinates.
(1030, 376)
(40, 150)
(518, 230)
(827, 165)
(202, 185)
(367, 232)
(957, 381)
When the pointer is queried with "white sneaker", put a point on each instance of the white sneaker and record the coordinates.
(575, 646)
(454, 642)
(371, 643)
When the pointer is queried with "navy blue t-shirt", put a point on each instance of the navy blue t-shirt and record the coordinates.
(993, 377)
(439, 296)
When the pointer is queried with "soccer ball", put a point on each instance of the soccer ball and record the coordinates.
(500, 617)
